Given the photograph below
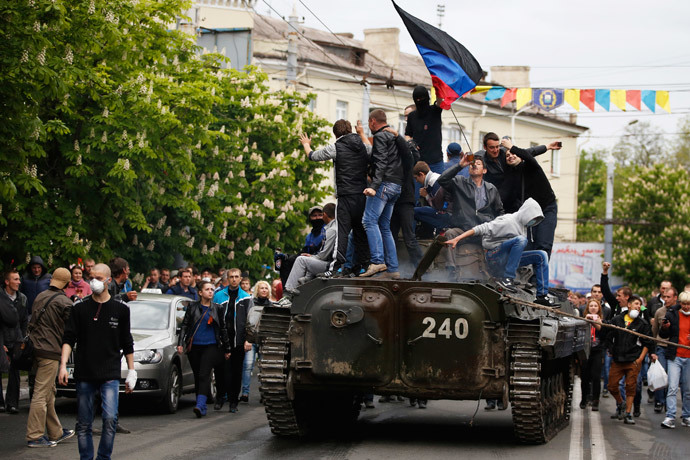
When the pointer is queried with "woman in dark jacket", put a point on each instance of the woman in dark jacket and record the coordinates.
(205, 339)
(591, 368)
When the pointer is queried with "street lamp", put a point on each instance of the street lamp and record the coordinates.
(608, 227)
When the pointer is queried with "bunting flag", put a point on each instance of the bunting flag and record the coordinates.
(523, 96)
(618, 98)
(587, 98)
(632, 97)
(572, 97)
(552, 98)
(454, 71)
(508, 97)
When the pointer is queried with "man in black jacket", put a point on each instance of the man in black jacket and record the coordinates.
(524, 178)
(15, 318)
(382, 193)
(628, 352)
(350, 155)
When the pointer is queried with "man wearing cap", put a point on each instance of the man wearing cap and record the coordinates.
(51, 310)
(454, 152)
(14, 319)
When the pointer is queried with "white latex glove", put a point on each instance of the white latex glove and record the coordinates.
(131, 379)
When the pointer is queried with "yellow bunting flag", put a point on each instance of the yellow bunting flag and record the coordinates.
(481, 89)
(663, 101)
(572, 97)
(523, 96)
(618, 98)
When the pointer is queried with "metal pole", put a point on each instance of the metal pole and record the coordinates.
(366, 98)
(608, 227)
(291, 72)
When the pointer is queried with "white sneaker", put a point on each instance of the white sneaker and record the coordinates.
(668, 423)
(685, 421)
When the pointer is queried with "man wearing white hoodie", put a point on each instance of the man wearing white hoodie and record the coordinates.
(504, 239)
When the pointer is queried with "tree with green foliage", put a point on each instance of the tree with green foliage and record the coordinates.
(642, 145)
(120, 138)
(591, 195)
(652, 244)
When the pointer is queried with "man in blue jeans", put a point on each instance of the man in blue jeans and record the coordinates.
(100, 326)
(382, 193)
(504, 239)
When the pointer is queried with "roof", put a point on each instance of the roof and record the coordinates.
(327, 50)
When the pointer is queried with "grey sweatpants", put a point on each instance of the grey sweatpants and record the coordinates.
(305, 266)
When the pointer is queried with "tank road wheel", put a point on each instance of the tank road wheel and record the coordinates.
(540, 392)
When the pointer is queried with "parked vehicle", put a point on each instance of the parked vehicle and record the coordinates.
(163, 374)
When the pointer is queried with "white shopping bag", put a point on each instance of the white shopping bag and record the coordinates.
(656, 376)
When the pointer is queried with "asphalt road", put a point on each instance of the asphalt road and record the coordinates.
(446, 429)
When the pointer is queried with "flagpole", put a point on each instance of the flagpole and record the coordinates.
(462, 131)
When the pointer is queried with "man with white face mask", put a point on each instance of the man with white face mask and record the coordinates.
(100, 326)
(676, 328)
(628, 353)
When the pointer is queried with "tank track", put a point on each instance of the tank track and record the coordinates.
(540, 392)
(273, 376)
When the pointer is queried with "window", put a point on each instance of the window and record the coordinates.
(341, 110)
(311, 105)
(555, 162)
(453, 134)
(480, 143)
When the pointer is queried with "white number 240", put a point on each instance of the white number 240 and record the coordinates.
(461, 328)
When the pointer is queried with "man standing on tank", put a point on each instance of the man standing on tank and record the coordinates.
(424, 127)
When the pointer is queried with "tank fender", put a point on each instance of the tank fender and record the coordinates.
(547, 332)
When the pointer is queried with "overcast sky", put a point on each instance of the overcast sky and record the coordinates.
(587, 44)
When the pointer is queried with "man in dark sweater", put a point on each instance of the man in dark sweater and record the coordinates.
(100, 326)
(350, 154)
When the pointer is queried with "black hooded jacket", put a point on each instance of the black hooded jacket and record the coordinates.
(424, 126)
(33, 285)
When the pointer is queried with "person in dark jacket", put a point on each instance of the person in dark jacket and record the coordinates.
(13, 305)
(424, 127)
(619, 301)
(628, 353)
(382, 193)
(312, 243)
(36, 279)
(52, 309)
(184, 287)
(350, 154)
(204, 337)
(524, 178)
(261, 298)
(676, 328)
(590, 376)
(118, 287)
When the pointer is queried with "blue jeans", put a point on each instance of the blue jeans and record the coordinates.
(377, 225)
(678, 371)
(505, 259)
(607, 367)
(86, 392)
(248, 366)
(431, 216)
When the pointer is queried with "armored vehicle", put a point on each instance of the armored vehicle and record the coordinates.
(346, 337)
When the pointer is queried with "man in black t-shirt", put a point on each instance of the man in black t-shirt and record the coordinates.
(100, 326)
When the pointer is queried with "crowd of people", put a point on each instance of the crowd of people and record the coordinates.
(621, 359)
(496, 202)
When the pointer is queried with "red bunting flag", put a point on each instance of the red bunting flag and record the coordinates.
(587, 98)
(508, 96)
(632, 97)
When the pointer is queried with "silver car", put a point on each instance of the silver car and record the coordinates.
(163, 375)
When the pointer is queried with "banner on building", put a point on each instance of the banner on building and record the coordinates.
(577, 266)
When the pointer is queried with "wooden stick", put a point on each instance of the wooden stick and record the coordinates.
(610, 326)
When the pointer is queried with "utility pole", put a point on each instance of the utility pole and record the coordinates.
(440, 12)
(366, 98)
(291, 73)
(608, 227)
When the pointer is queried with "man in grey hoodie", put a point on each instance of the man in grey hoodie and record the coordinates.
(504, 239)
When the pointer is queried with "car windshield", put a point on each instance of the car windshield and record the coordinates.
(146, 314)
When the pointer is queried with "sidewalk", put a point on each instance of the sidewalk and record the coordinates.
(23, 386)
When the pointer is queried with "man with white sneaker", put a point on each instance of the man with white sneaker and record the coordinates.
(676, 328)
(51, 309)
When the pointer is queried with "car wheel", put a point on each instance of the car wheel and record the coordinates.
(171, 399)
